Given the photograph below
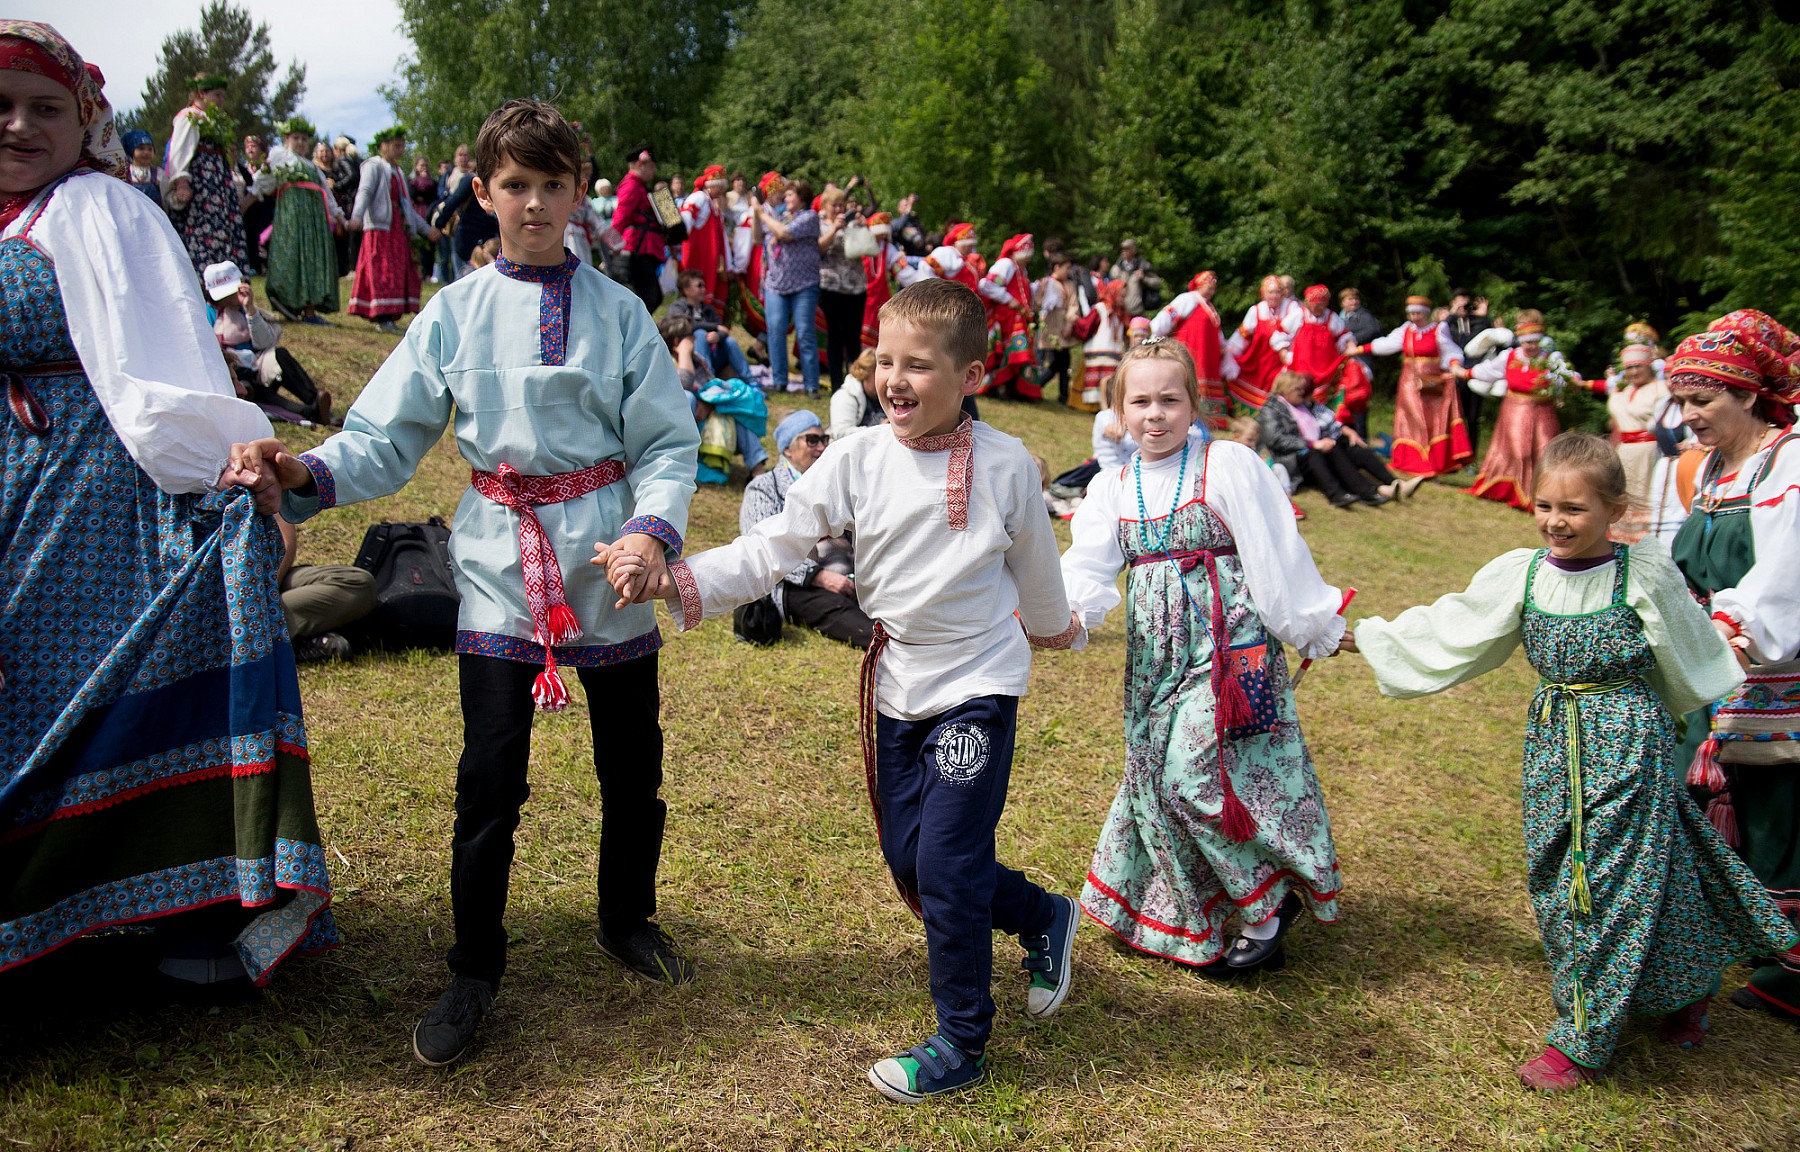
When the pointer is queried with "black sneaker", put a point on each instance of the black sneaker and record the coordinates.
(650, 952)
(446, 1031)
(324, 646)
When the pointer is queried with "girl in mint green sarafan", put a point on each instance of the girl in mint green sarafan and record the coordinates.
(1640, 903)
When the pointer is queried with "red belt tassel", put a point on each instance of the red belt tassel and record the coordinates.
(1231, 709)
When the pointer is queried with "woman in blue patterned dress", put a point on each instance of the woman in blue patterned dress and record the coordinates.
(1640, 903)
(152, 755)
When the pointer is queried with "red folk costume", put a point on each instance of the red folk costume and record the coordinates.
(387, 273)
(750, 288)
(1006, 290)
(1258, 361)
(973, 266)
(1527, 420)
(1321, 348)
(1429, 436)
(704, 249)
(879, 270)
(1192, 319)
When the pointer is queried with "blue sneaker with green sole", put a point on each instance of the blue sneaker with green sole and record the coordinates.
(930, 1069)
(1047, 959)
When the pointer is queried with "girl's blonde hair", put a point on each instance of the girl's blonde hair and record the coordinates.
(1592, 457)
(1245, 429)
(1287, 378)
(864, 366)
(1155, 348)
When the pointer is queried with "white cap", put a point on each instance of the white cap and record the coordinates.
(222, 280)
(602, 186)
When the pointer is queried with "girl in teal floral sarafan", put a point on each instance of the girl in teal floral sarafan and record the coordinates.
(1640, 903)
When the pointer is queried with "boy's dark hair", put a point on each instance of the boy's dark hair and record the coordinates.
(948, 308)
(530, 133)
(691, 276)
(1058, 258)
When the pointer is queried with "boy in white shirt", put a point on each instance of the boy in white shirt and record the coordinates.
(952, 545)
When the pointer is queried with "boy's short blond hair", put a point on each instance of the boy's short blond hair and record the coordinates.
(530, 133)
(1155, 348)
(1245, 430)
(948, 308)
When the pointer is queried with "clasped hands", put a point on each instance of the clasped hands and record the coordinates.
(636, 568)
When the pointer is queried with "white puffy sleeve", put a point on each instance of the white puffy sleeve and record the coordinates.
(1449, 351)
(1173, 313)
(1766, 602)
(1283, 340)
(1431, 647)
(1091, 566)
(1389, 344)
(1694, 665)
(141, 333)
(184, 141)
(911, 271)
(1491, 370)
(1293, 600)
(993, 285)
(1240, 340)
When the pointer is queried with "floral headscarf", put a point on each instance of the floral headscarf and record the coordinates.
(28, 46)
(1747, 350)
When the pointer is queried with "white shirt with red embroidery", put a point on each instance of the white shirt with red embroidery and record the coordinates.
(946, 596)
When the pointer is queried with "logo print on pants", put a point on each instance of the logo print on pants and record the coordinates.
(962, 752)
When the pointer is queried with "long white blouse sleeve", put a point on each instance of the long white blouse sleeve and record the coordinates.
(1173, 313)
(141, 333)
(1431, 647)
(993, 285)
(1091, 566)
(1766, 602)
(184, 141)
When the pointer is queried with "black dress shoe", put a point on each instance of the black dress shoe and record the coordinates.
(1246, 954)
(1343, 500)
(1375, 500)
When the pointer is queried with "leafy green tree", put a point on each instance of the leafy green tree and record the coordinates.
(630, 75)
(1759, 185)
(230, 44)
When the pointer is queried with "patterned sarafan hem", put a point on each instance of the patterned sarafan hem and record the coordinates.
(574, 656)
(302, 925)
(248, 755)
(321, 474)
(654, 526)
(691, 607)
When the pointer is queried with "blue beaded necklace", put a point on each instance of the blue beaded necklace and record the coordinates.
(1137, 474)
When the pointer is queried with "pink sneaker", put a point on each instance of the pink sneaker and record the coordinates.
(1554, 1072)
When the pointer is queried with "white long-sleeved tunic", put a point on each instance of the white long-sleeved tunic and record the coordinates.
(945, 596)
(1766, 602)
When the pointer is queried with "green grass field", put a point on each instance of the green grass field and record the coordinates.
(1396, 1028)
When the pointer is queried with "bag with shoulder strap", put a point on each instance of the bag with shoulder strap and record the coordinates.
(416, 600)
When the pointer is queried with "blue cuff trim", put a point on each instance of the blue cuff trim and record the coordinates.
(321, 474)
(576, 656)
(654, 526)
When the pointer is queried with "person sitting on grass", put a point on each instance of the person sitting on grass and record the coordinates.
(603, 452)
(261, 368)
(856, 406)
(731, 414)
(952, 541)
(713, 341)
(319, 599)
(821, 592)
(1305, 438)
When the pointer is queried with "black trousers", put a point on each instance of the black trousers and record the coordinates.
(624, 707)
(843, 314)
(1346, 468)
(1054, 362)
(834, 615)
(1471, 413)
(644, 270)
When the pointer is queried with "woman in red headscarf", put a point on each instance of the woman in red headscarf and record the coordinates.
(1006, 290)
(152, 754)
(962, 238)
(1429, 436)
(704, 249)
(1253, 345)
(1192, 319)
(1737, 384)
(880, 271)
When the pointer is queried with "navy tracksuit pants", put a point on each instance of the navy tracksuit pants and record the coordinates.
(942, 784)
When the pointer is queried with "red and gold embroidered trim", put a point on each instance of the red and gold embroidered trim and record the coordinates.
(961, 446)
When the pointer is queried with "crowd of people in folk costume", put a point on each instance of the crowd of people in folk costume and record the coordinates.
(153, 723)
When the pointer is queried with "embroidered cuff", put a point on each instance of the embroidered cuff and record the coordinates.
(654, 526)
(1064, 639)
(321, 474)
(689, 592)
(1736, 628)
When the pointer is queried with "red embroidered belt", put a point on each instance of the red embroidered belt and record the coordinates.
(1186, 561)
(1635, 437)
(878, 640)
(553, 621)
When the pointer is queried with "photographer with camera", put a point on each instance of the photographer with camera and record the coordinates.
(1468, 315)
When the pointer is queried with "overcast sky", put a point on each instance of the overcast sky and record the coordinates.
(350, 48)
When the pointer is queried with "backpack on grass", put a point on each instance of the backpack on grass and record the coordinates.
(415, 586)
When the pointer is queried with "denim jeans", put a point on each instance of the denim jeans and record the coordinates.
(725, 358)
(801, 310)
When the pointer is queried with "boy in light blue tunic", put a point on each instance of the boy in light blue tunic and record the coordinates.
(568, 409)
